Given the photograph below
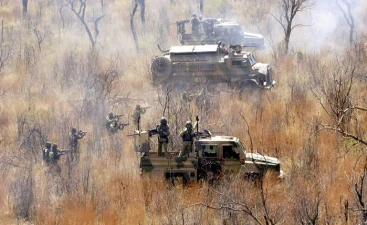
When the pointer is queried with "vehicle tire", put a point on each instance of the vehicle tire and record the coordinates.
(161, 67)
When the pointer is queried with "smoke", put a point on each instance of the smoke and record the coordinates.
(325, 26)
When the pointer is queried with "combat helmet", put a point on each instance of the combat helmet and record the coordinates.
(194, 15)
(163, 120)
(110, 115)
(54, 146)
(188, 124)
(73, 130)
(48, 144)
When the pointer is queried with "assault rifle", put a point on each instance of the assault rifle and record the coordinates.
(118, 115)
(82, 132)
(62, 151)
(122, 125)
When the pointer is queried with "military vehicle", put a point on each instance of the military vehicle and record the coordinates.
(210, 64)
(213, 30)
(212, 157)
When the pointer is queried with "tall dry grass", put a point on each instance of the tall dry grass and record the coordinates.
(46, 91)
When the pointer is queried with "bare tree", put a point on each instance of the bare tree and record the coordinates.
(79, 7)
(40, 36)
(288, 11)
(335, 97)
(61, 4)
(132, 14)
(348, 16)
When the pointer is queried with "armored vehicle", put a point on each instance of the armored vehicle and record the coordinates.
(212, 64)
(213, 30)
(212, 158)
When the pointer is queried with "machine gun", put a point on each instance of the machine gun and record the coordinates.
(153, 132)
(202, 134)
(150, 132)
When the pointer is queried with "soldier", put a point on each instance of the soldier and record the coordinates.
(45, 151)
(136, 115)
(163, 131)
(112, 123)
(187, 97)
(222, 48)
(54, 155)
(110, 120)
(74, 136)
(187, 136)
(194, 24)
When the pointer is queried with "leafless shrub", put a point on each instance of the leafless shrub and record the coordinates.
(40, 35)
(358, 182)
(6, 46)
(31, 138)
(22, 192)
(334, 89)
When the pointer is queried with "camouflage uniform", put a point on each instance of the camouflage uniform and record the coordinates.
(222, 48)
(163, 131)
(195, 22)
(54, 155)
(112, 123)
(45, 151)
(136, 115)
(74, 136)
(187, 136)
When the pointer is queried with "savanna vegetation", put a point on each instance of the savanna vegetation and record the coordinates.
(68, 63)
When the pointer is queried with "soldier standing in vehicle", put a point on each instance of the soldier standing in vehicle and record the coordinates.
(187, 136)
(45, 151)
(163, 132)
(195, 22)
(74, 137)
(137, 114)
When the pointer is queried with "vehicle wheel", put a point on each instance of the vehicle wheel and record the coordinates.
(175, 179)
(161, 67)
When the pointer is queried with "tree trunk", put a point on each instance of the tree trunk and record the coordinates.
(132, 14)
(142, 11)
(351, 31)
(25, 6)
(201, 7)
(287, 37)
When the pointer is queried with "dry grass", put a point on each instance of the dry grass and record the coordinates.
(61, 86)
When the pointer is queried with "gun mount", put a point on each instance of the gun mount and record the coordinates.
(212, 64)
(212, 30)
